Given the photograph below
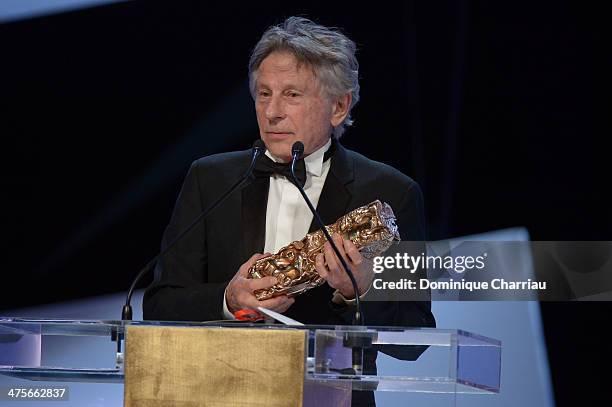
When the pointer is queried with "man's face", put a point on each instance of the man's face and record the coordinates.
(291, 105)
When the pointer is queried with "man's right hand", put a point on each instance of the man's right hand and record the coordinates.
(239, 292)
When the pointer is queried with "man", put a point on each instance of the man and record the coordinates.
(304, 81)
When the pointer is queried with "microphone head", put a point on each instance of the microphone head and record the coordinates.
(259, 145)
(297, 149)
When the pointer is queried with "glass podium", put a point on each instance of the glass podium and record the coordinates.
(424, 360)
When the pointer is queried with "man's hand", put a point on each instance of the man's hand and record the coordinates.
(239, 292)
(330, 268)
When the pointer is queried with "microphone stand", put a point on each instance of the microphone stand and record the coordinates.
(356, 342)
(126, 313)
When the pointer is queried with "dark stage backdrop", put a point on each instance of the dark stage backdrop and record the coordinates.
(497, 109)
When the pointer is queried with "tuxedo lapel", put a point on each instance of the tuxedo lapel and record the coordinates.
(333, 202)
(336, 194)
(254, 203)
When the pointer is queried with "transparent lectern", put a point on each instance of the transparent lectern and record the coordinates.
(177, 363)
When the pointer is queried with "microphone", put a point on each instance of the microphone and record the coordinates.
(297, 150)
(126, 313)
(354, 340)
(258, 148)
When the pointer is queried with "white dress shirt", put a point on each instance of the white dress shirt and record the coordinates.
(287, 215)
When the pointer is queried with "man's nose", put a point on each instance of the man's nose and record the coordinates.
(275, 109)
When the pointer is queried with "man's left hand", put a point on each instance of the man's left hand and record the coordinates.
(330, 268)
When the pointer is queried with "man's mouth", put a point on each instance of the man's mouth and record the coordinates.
(279, 133)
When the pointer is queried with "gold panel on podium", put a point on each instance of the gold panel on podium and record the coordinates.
(183, 366)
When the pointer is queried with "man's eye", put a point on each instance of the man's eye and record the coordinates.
(293, 94)
(264, 94)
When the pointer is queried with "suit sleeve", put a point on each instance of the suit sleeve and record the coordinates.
(181, 291)
(411, 223)
(410, 218)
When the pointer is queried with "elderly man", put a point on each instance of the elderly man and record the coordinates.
(304, 81)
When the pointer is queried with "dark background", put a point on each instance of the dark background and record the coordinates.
(500, 110)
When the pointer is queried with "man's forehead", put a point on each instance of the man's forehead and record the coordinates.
(287, 64)
(280, 61)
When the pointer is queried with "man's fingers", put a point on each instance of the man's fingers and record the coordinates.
(249, 302)
(320, 266)
(330, 258)
(261, 283)
(278, 304)
(244, 269)
(339, 241)
(285, 306)
(352, 252)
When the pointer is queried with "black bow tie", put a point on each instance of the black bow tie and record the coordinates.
(265, 167)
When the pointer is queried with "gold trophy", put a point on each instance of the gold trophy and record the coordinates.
(371, 228)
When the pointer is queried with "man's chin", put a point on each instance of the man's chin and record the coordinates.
(281, 151)
(284, 157)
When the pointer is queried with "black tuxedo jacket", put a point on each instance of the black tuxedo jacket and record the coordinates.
(191, 279)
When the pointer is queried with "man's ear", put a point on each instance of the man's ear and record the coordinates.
(340, 109)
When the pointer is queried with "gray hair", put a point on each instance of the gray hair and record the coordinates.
(329, 52)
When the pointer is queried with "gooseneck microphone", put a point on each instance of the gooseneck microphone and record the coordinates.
(354, 340)
(297, 150)
(258, 148)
